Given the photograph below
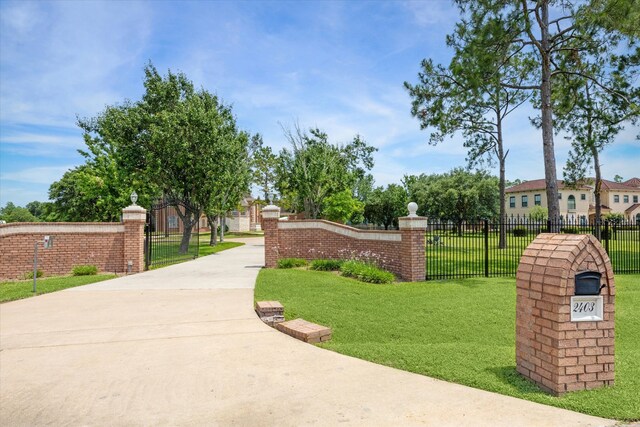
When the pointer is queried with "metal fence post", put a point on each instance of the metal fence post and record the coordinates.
(486, 248)
(606, 236)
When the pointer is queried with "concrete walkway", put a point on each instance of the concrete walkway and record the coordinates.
(182, 346)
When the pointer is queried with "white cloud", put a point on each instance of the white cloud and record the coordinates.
(36, 175)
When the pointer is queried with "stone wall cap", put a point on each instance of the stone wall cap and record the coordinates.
(134, 208)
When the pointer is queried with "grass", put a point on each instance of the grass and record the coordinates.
(166, 249)
(461, 331)
(10, 291)
(464, 256)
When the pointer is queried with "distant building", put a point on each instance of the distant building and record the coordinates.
(577, 204)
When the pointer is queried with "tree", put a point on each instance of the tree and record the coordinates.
(13, 213)
(538, 213)
(473, 95)
(618, 178)
(173, 144)
(342, 207)
(384, 206)
(313, 169)
(550, 48)
(264, 164)
(456, 196)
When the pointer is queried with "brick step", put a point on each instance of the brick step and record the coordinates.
(270, 312)
(305, 331)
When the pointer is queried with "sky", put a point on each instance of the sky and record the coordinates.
(339, 66)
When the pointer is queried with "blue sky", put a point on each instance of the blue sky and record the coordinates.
(336, 65)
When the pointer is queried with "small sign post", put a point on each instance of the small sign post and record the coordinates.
(47, 243)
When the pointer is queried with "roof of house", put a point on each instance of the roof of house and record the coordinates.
(632, 184)
(632, 208)
(539, 184)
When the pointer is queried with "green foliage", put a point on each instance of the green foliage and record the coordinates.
(313, 169)
(291, 262)
(326, 264)
(13, 213)
(519, 231)
(366, 272)
(538, 213)
(614, 217)
(456, 196)
(29, 274)
(264, 164)
(342, 207)
(84, 270)
(384, 206)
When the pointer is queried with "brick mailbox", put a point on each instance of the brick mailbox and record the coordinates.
(565, 313)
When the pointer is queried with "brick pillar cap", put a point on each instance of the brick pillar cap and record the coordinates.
(271, 211)
(134, 212)
(412, 222)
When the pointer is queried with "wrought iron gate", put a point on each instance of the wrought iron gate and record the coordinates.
(171, 235)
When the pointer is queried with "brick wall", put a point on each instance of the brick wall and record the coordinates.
(108, 246)
(401, 252)
(557, 354)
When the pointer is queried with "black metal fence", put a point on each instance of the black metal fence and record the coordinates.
(171, 235)
(493, 248)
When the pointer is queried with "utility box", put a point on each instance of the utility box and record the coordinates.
(565, 304)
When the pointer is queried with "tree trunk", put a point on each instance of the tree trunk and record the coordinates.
(502, 240)
(223, 224)
(186, 238)
(189, 219)
(596, 191)
(213, 226)
(550, 175)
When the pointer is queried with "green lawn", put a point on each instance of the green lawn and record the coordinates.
(166, 249)
(10, 291)
(464, 255)
(457, 330)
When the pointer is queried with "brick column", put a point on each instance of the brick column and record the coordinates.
(270, 217)
(134, 217)
(412, 260)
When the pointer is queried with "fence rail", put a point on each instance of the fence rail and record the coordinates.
(476, 249)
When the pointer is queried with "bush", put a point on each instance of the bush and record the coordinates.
(366, 272)
(291, 262)
(326, 264)
(29, 274)
(605, 234)
(520, 231)
(569, 230)
(226, 229)
(84, 270)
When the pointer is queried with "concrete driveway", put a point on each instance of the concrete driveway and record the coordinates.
(182, 346)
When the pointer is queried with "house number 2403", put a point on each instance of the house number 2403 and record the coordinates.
(584, 307)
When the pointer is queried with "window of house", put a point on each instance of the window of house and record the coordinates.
(583, 196)
(512, 201)
(525, 201)
(571, 202)
(616, 199)
(626, 199)
(537, 200)
(559, 196)
(635, 199)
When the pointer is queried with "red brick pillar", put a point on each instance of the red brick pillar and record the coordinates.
(564, 337)
(270, 217)
(412, 229)
(134, 217)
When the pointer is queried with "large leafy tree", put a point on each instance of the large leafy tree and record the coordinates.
(13, 213)
(385, 205)
(456, 196)
(174, 143)
(313, 169)
(473, 95)
(264, 166)
(551, 40)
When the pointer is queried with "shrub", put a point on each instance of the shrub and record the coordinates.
(326, 264)
(569, 230)
(520, 231)
(84, 270)
(291, 262)
(29, 274)
(226, 229)
(366, 272)
(605, 234)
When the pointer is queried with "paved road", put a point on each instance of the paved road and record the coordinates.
(182, 346)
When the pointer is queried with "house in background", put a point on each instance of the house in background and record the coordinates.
(577, 204)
